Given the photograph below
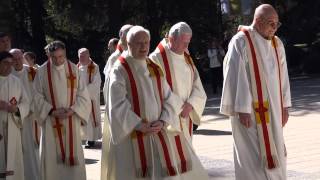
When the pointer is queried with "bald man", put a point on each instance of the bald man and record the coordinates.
(30, 130)
(256, 97)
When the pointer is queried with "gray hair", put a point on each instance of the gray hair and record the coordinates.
(179, 29)
(81, 50)
(134, 30)
(15, 50)
(124, 30)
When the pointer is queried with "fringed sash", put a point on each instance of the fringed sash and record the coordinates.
(35, 127)
(181, 149)
(141, 150)
(91, 71)
(64, 131)
(261, 106)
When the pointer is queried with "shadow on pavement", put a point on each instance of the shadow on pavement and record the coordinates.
(210, 132)
(305, 98)
(91, 161)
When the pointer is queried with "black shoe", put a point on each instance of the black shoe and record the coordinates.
(89, 145)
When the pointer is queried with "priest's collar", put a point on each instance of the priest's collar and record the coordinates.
(59, 67)
(175, 55)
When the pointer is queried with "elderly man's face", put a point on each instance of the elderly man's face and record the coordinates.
(29, 60)
(180, 43)
(139, 45)
(5, 66)
(84, 57)
(17, 60)
(268, 26)
(58, 57)
(5, 43)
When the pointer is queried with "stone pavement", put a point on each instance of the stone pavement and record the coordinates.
(213, 139)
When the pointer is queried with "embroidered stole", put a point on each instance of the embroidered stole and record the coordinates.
(142, 150)
(13, 137)
(261, 103)
(64, 130)
(185, 163)
(119, 48)
(35, 127)
(90, 71)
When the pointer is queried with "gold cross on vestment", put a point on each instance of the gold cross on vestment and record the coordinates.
(261, 109)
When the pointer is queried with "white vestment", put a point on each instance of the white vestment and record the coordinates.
(92, 79)
(185, 83)
(11, 157)
(30, 129)
(51, 166)
(111, 60)
(118, 157)
(237, 97)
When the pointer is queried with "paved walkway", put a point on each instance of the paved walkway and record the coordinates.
(213, 139)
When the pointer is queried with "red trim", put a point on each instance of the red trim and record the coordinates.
(260, 101)
(171, 170)
(181, 155)
(119, 48)
(280, 82)
(32, 72)
(36, 132)
(93, 114)
(158, 78)
(190, 126)
(166, 64)
(57, 125)
(71, 78)
(136, 109)
(90, 70)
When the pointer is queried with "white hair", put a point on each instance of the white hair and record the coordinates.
(179, 29)
(15, 50)
(81, 50)
(124, 30)
(134, 30)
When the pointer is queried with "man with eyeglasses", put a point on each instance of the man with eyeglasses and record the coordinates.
(256, 97)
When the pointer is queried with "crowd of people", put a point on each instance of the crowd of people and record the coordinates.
(152, 100)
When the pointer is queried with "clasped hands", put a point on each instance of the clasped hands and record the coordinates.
(8, 107)
(62, 113)
(150, 127)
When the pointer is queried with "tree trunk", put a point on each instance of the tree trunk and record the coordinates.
(38, 35)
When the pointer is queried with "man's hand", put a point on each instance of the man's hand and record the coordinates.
(3, 105)
(285, 116)
(186, 109)
(245, 119)
(62, 113)
(156, 126)
(12, 108)
(150, 127)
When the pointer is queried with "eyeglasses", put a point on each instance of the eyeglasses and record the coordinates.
(274, 25)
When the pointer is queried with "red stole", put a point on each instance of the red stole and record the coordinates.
(66, 150)
(143, 169)
(261, 105)
(185, 164)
